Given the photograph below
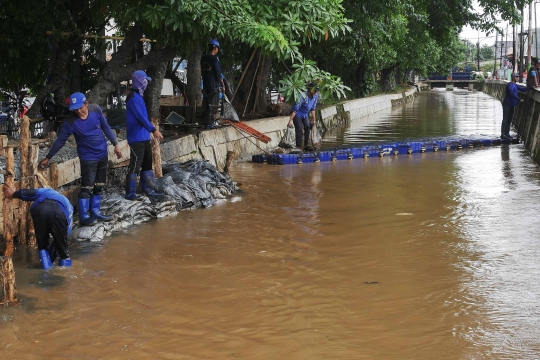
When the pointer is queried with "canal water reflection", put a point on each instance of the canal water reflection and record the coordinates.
(427, 256)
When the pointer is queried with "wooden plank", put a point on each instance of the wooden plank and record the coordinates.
(68, 172)
(7, 273)
(8, 203)
(249, 130)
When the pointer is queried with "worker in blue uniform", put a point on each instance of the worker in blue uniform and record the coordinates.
(300, 112)
(511, 100)
(213, 83)
(51, 214)
(138, 129)
(88, 124)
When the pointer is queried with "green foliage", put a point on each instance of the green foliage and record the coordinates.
(294, 86)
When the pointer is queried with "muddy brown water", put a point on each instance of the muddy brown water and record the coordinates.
(428, 256)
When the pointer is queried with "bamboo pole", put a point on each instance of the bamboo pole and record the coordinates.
(156, 152)
(244, 73)
(25, 182)
(259, 80)
(251, 88)
(8, 203)
(9, 290)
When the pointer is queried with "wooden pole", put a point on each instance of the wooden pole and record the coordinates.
(259, 79)
(9, 290)
(156, 152)
(9, 220)
(53, 169)
(3, 144)
(231, 155)
(244, 73)
(44, 183)
(25, 182)
(251, 88)
(33, 161)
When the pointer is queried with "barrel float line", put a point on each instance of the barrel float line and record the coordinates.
(388, 149)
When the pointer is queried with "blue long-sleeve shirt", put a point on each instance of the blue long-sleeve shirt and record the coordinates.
(91, 144)
(138, 126)
(511, 96)
(40, 195)
(305, 106)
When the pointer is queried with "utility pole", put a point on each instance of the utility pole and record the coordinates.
(529, 38)
(521, 50)
(514, 50)
(495, 56)
(478, 53)
(536, 31)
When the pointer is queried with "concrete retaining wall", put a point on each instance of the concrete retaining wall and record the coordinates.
(526, 115)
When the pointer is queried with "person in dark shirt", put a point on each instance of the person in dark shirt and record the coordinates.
(51, 214)
(138, 129)
(212, 82)
(511, 100)
(532, 79)
(87, 123)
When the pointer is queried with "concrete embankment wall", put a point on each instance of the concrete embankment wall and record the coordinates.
(526, 115)
(212, 145)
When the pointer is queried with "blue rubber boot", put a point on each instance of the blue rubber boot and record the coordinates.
(84, 216)
(95, 212)
(131, 188)
(147, 178)
(64, 262)
(45, 260)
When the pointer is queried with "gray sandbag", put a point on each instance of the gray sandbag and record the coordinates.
(288, 140)
(227, 110)
(315, 137)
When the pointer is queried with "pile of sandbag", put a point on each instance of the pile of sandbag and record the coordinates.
(193, 184)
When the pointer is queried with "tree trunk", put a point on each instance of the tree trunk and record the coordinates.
(152, 95)
(388, 78)
(193, 89)
(59, 82)
(264, 83)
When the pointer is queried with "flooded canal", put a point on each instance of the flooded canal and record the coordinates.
(427, 256)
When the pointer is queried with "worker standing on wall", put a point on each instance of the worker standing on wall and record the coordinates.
(212, 83)
(138, 129)
(88, 124)
(51, 214)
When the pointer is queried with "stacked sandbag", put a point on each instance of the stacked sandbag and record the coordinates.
(193, 184)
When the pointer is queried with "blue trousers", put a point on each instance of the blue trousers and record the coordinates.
(508, 114)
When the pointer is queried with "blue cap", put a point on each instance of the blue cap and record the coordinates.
(76, 101)
(515, 74)
(142, 74)
(214, 42)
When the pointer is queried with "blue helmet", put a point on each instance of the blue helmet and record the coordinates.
(213, 42)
